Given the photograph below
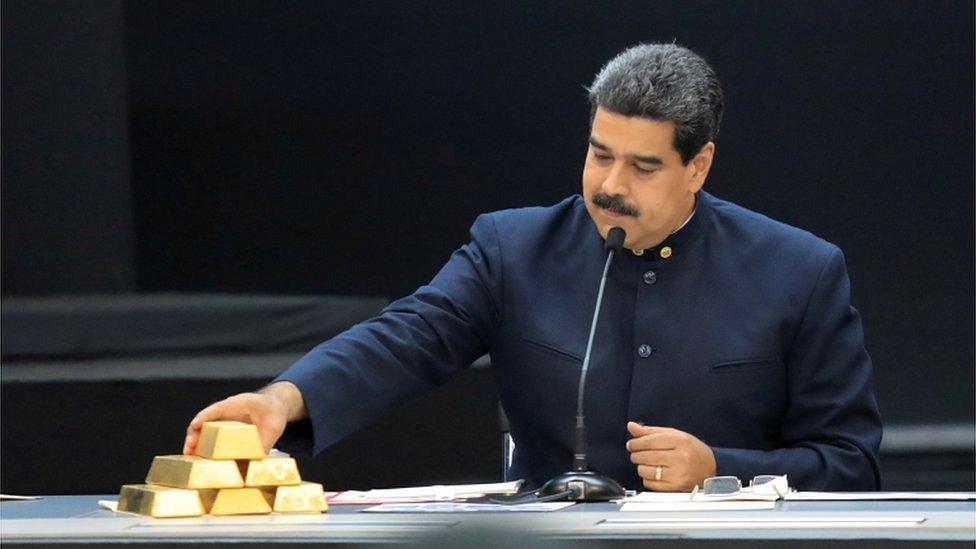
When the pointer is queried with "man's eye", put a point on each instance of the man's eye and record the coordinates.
(643, 171)
(602, 157)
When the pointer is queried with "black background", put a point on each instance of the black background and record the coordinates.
(345, 148)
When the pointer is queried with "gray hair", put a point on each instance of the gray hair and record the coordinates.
(663, 82)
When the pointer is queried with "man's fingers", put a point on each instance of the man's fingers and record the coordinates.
(639, 429)
(660, 485)
(648, 474)
(653, 457)
(656, 441)
(268, 438)
(635, 429)
(684, 459)
(235, 408)
(211, 413)
(247, 407)
(193, 429)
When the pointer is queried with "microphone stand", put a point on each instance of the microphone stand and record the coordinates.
(581, 484)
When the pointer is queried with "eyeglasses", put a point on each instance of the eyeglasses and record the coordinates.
(761, 485)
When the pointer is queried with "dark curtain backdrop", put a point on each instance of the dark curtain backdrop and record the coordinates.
(345, 147)
(65, 198)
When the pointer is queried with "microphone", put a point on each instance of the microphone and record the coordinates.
(580, 484)
(614, 241)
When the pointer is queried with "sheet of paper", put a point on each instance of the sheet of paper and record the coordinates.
(875, 496)
(686, 505)
(678, 497)
(109, 504)
(467, 507)
(417, 494)
(764, 521)
(11, 497)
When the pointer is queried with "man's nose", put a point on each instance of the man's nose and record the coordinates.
(616, 181)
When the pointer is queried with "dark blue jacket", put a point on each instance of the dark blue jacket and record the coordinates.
(744, 337)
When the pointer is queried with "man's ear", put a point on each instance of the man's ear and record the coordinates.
(700, 164)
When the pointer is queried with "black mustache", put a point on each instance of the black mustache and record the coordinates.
(613, 203)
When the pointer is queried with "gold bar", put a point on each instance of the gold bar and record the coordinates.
(235, 501)
(160, 501)
(182, 471)
(307, 497)
(270, 471)
(229, 440)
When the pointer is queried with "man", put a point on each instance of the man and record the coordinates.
(727, 343)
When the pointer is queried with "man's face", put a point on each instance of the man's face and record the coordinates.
(633, 178)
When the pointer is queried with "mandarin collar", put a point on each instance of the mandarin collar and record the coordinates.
(685, 238)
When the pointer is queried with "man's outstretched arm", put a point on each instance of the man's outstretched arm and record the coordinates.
(414, 344)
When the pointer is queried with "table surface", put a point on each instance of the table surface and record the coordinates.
(67, 519)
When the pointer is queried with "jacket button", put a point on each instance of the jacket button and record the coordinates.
(645, 350)
(650, 277)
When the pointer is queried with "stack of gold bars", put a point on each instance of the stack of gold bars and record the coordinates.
(229, 475)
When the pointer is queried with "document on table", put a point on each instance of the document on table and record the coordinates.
(671, 501)
(467, 507)
(419, 494)
(878, 496)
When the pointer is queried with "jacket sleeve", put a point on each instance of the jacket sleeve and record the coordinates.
(415, 343)
(832, 429)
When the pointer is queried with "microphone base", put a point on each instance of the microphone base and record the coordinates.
(584, 485)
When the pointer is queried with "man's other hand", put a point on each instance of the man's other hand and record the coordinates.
(684, 461)
(269, 409)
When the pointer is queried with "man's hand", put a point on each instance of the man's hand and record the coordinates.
(269, 409)
(684, 460)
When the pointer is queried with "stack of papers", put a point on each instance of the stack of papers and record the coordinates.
(468, 507)
(671, 501)
(420, 494)
(745, 500)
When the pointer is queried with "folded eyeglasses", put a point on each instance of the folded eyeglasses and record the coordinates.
(761, 485)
